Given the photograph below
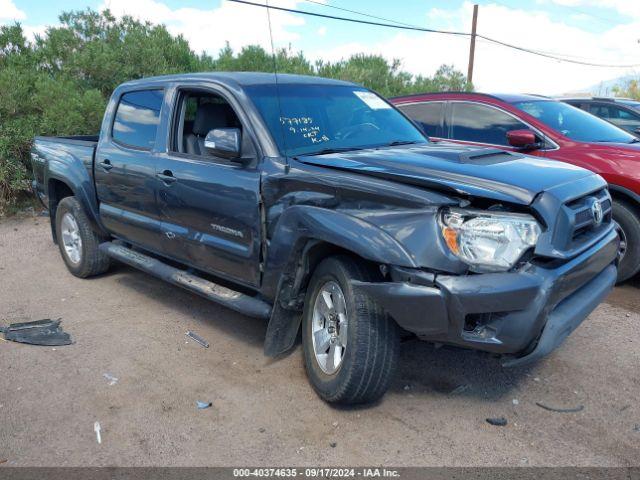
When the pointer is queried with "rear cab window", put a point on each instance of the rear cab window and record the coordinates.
(137, 117)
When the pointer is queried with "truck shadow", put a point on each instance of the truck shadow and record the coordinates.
(208, 314)
(448, 371)
(423, 370)
(626, 295)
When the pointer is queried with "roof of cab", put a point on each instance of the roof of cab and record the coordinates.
(241, 79)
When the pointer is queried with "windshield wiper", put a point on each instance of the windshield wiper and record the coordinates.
(326, 151)
(399, 142)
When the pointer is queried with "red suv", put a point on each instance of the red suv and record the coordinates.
(548, 128)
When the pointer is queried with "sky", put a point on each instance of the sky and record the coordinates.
(596, 31)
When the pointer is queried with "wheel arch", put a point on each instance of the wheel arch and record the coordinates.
(59, 188)
(303, 237)
(286, 315)
(621, 193)
(56, 190)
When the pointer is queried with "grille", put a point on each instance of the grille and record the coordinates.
(570, 226)
(581, 217)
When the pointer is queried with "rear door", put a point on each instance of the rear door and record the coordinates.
(428, 115)
(474, 123)
(210, 207)
(125, 169)
(621, 117)
(479, 124)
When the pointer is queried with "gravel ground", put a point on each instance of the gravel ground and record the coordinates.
(131, 326)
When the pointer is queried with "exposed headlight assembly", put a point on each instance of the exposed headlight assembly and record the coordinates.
(488, 241)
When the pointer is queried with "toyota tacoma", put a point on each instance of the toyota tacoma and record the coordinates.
(318, 206)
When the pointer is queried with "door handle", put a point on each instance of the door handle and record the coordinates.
(166, 176)
(106, 164)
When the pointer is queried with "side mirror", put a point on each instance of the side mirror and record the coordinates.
(523, 139)
(224, 142)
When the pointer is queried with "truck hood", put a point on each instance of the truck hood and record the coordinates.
(484, 172)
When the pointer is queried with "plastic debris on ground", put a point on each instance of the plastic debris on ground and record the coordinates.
(40, 332)
(97, 429)
(197, 338)
(498, 421)
(110, 378)
(579, 408)
(203, 405)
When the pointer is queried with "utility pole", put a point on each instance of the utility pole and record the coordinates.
(472, 47)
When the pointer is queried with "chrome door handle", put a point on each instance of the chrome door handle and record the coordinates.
(166, 176)
(106, 164)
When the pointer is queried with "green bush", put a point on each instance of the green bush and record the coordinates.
(59, 83)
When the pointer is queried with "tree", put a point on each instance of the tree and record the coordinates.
(630, 90)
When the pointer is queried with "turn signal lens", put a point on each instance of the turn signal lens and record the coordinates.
(451, 239)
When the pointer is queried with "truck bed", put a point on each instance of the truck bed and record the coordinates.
(66, 151)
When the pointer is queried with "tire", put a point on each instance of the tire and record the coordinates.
(627, 218)
(85, 260)
(372, 345)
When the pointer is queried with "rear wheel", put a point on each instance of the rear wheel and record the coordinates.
(627, 218)
(350, 346)
(77, 240)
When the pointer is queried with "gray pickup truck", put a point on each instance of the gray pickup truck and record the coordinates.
(312, 202)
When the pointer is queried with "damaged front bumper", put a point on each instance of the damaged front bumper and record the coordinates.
(522, 315)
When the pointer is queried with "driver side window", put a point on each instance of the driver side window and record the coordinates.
(197, 114)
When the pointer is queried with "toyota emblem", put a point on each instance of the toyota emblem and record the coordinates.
(596, 211)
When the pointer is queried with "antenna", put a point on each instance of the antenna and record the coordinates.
(275, 73)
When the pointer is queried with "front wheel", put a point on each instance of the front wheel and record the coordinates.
(627, 218)
(350, 346)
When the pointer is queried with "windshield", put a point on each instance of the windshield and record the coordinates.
(314, 119)
(574, 123)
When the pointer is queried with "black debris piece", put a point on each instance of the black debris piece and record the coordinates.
(41, 332)
(579, 408)
(498, 422)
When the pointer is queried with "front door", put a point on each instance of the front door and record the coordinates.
(210, 207)
(125, 170)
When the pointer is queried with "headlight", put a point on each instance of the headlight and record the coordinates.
(488, 241)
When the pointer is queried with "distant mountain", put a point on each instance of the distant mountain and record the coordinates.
(604, 88)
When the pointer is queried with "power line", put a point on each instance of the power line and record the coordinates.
(360, 13)
(353, 20)
(555, 57)
(573, 9)
(403, 26)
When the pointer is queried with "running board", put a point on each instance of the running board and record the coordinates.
(237, 301)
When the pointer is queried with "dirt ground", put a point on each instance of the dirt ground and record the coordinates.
(132, 326)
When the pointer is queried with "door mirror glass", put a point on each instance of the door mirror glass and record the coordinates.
(523, 139)
(224, 142)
